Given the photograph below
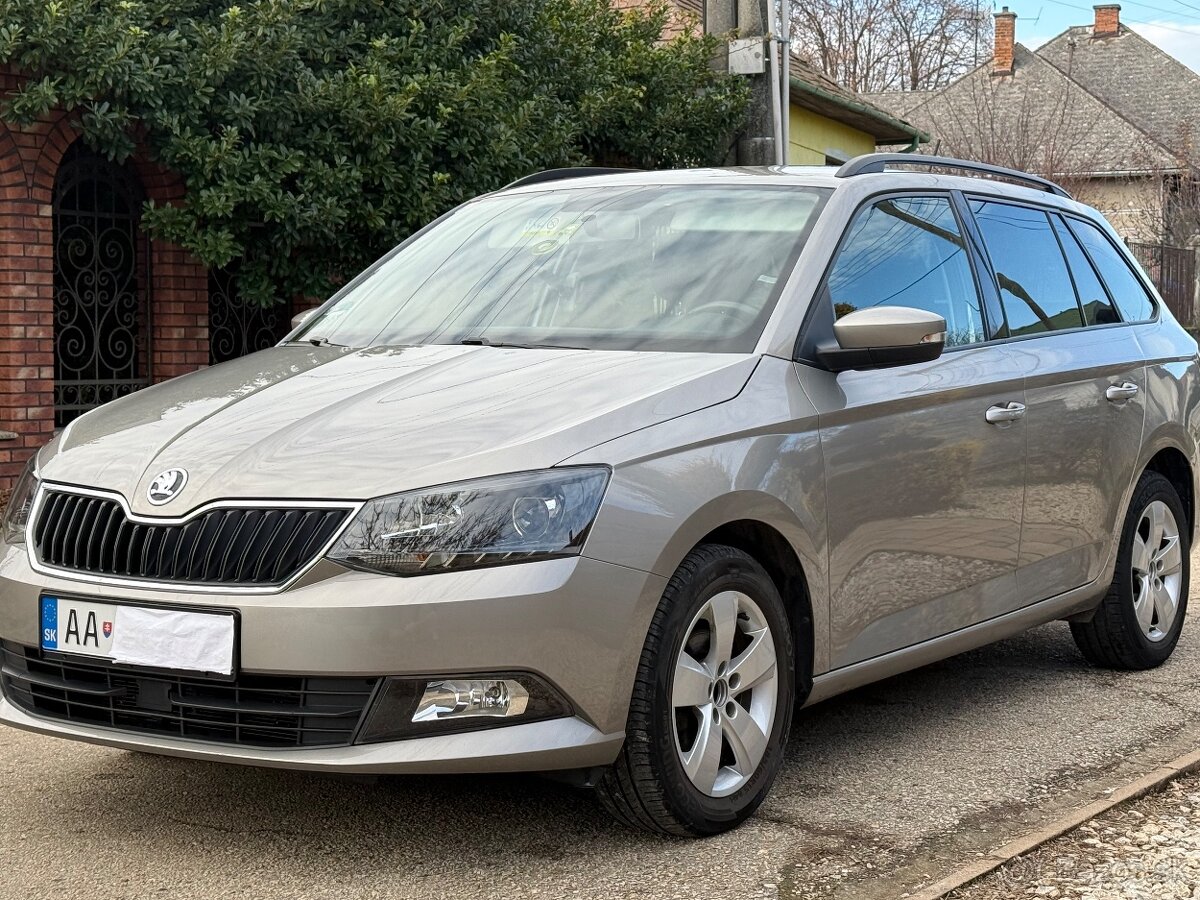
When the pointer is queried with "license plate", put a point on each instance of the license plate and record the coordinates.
(139, 635)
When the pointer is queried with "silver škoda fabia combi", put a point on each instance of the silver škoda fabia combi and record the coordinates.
(607, 474)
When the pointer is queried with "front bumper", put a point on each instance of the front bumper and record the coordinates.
(577, 623)
(538, 746)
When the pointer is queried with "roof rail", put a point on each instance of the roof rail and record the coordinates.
(879, 162)
(563, 174)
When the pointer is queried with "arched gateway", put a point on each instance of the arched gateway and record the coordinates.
(101, 281)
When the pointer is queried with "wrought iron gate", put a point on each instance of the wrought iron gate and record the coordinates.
(1173, 271)
(236, 328)
(99, 304)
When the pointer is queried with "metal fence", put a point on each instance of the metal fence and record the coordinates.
(1173, 271)
(236, 328)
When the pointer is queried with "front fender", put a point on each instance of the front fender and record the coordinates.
(756, 457)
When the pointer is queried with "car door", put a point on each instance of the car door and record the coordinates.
(924, 493)
(1084, 383)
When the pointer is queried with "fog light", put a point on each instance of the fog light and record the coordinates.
(416, 707)
(467, 699)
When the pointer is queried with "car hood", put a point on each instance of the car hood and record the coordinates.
(299, 421)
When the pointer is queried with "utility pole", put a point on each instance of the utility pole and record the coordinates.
(753, 21)
(785, 81)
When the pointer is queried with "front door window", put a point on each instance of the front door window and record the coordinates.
(909, 251)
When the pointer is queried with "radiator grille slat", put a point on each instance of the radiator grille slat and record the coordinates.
(296, 543)
(53, 511)
(258, 520)
(254, 710)
(229, 546)
(63, 537)
(215, 546)
(83, 537)
(275, 544)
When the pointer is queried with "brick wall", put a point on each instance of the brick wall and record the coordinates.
(177, 292)
(28, 159)
(178, 289)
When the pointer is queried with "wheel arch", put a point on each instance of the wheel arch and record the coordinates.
(1171, 451)
(1174, 465)
(776, 554)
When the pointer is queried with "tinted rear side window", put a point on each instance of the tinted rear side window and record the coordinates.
(1126, 288)
(1097, 307)
(1030, 270)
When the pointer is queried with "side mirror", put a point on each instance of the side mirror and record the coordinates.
(300, 318)
(883, 336)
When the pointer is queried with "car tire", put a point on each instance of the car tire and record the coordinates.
(1138, 623)
(649, 786)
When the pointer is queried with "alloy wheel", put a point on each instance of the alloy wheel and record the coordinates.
(724, 692)
(1157, 567)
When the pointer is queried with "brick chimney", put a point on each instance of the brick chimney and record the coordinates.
(1108, 19)
(1006, 30)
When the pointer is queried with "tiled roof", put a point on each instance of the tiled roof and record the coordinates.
(898, 103)
(1036, 119)
(813, 89)
(1142, 83)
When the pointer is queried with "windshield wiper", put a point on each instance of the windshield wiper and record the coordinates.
(486, 342)
(316, 342)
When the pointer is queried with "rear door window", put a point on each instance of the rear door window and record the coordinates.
(1127, 290)
(1031, 272)
(1097, 306)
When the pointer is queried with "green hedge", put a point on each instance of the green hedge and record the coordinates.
(315, 134)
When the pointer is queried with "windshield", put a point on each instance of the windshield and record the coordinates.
(627, 268)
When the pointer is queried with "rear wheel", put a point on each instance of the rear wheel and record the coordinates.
(712, 704)
(1138, 623)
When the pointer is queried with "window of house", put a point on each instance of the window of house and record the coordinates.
(1127, 290)
(1093, 298)
(909, 251)
(1031, 273)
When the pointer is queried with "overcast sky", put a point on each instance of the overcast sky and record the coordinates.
(1173, 25)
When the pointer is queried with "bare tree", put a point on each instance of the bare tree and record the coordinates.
(1036, 129)
(939, 40)
(851, 41)
(1043, 123)
(1170, 213)
(878, 45)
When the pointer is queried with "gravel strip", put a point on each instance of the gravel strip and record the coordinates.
(1148, 849)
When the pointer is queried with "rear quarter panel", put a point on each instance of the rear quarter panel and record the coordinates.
(1172, 395)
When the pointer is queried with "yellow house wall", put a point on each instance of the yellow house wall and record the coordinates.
(813, 136)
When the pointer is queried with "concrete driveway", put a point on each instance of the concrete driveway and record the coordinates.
(884, 790)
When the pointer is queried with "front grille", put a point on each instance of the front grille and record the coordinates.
(238, 547)
(252, 711)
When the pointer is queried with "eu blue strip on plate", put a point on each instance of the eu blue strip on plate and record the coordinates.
(50, 623)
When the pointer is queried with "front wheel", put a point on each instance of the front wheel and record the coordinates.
(712, 704)
(1138, 623)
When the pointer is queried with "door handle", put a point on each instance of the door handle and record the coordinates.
(1005, 412)
(1118, 392)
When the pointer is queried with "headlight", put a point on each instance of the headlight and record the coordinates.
(487, 522)
(16, 514)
